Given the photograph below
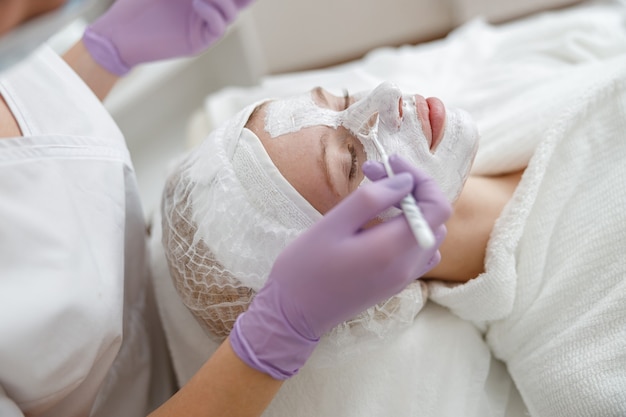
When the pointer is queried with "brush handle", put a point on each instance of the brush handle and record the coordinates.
(420, 228)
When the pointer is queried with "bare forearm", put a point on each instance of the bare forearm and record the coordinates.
(99, 80)
(224, 386)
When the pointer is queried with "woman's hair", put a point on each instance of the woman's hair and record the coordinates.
(203, 284)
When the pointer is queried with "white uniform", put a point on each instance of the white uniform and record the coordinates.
(73, 273)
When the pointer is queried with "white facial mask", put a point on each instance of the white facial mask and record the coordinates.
(22, 40)
(450, 162)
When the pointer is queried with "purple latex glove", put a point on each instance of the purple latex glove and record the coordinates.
(132, 32)
(335, 270)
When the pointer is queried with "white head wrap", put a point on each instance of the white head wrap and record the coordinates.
(227, 214)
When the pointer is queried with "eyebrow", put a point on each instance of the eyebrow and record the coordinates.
(323, 162)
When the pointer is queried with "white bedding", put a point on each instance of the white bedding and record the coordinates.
(531, 85)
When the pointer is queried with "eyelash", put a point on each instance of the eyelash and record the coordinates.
(353, 167)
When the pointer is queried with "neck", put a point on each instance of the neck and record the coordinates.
(469, 228)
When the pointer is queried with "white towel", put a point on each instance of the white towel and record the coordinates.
(554, 292)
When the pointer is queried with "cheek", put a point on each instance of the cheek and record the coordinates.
(316, 191)
(297, 157)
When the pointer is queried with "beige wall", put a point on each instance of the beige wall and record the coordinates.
(301, 34)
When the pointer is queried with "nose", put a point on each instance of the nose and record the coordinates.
(390, 111)
(388, 99)
(384, 101)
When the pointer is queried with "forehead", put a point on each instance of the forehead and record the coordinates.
(291, 114)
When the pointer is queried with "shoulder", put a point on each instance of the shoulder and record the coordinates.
(47, 97)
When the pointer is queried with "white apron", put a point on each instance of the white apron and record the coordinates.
(73, 275)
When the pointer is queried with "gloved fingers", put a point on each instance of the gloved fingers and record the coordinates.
(428, 194)
(428, 259)
(228, 9)
(215, 17)
(374, 170)
(242, 3)
(412, 264)
(365, 203)
(432, 202)
(403, 269)
(391, 238)
(440, 234)
(397, 247)
(433, 262)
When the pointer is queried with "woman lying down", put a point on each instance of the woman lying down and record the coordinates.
(542, 278)
(532, 268)
(266, 176)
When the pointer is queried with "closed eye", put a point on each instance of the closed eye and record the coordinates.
(354, 165)
(346, 99)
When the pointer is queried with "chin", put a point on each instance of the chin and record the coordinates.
(460, 134)
(456, 152)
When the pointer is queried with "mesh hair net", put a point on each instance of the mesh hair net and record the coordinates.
(227, 213)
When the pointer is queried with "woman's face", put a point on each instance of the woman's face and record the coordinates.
(318, 141)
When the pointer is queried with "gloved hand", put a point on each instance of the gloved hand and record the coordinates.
(132, 32)
(336, 269)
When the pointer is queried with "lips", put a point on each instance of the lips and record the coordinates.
(437, 119)
(432, 115)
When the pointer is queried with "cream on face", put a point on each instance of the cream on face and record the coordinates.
(399, 130)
